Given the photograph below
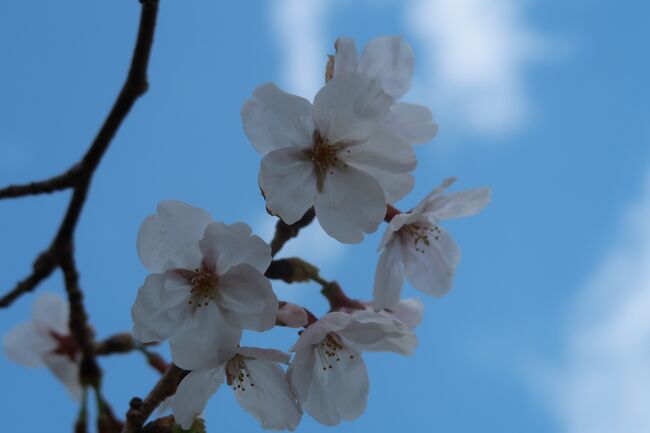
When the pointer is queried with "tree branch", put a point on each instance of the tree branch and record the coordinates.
(284, 232)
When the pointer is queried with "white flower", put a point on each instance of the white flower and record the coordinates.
(415, 245)
(334, 155)
(46, 341)
(257, 381)
(208, 283)
(409, 311)
(390, 60)
(327, 372)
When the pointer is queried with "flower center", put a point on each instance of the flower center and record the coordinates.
(422, 234)
(237, 374)
(204, 284)
(329, 350)
(325, 157)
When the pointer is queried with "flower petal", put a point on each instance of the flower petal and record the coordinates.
(288, 179)
(292, 315)
(275, 119)
(270, 400)
(349, 107)
(170, 238)
(388, 159)
(51, 313)
(351, 202)
(389, 59)
(224, 246)
(271, 355)
(414, 123)
(377, 332)
(67, 371)
(389, 277)
(246, 299)
(26, 345)
(346, 56)
(161, 306)
(460, 204)
(193, 393)
(204, 341)
(408, 311)
(431, 269)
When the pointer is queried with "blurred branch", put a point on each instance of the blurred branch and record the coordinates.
(284, 232)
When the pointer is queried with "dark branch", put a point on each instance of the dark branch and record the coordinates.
(56, 183)
(284, 232)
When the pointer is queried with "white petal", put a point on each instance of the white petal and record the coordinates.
(346, 56)
(270, 400)
(271, 355)
(388, 159)
(432, 271)
(26, 345)
(51, 313)
(275, 119)
(389, 277)
(161, 306)
(409, 311)
(377, 332)
(292, 315)
(299, 373)
(349, 107)
(460, 204)
(414, 123)
(288, 179)
(389, 59)
(246, 299)
(339, 392)
(224, 246)
(67, 371)
(316, 332)
(193, 393)
(170, 238)
(205, 341)
(351, 203)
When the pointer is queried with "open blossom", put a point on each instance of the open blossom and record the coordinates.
(207, 284)
(335, 155)
(390, 60)
(257, 381)
(327, 372)
(416, 246)
(46, 340)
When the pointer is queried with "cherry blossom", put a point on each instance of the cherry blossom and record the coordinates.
(257, 381)
(409, 311)
(390, 60)
(46, 340)
(415, 246)
(334, 155)
(327, 373)
(207, 284)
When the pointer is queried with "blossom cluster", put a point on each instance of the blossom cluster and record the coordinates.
(348, 156)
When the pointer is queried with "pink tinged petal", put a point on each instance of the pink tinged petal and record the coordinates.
(389, 277)
(193, 393)
(204, 341)
(227, 245)
(349, 107)
(409, 311)
(460, 204)
(340, 392)
(170, 238)
(270, 400)
(246, 299)
(161, 306)
(26, 345)
(350, 204)
(271, 355)
(389, 59)
(288, 179)
(431, 270)
(292, 315)
(388, 159)
(377, 332)
(67, 371)
(346, 56)
(275, 119)
(50, 313)
(414, 123)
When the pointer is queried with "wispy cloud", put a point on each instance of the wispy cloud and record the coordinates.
(603, 383)
(476, 53)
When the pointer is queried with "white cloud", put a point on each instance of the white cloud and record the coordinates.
(603, 383)
(476, 53)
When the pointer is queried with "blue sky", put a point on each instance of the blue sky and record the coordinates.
(546, 102)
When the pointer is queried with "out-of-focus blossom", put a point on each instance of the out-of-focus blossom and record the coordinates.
(292, 315)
